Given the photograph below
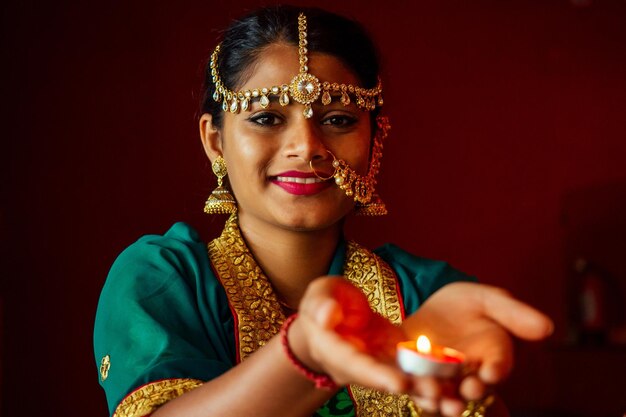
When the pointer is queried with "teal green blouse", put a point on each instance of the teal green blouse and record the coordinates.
(163, 314)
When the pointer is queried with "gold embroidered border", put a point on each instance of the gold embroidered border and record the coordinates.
(260, 316)
(249, 292)
(148, 398)
(375, 278)
(378, 282)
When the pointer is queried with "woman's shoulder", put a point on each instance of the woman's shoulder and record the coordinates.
(179, 237)
(153, 259)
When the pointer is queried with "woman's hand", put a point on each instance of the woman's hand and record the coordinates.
(337, 333)
(475, 319)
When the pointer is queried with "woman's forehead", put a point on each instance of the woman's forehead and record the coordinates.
(278, 64)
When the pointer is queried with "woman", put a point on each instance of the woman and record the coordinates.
(290, 116)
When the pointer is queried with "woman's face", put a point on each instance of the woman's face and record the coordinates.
(267, 151)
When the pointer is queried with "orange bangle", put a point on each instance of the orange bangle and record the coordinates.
(322, 381)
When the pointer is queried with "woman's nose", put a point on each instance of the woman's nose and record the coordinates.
(305, 141)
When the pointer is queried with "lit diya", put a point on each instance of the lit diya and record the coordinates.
(423, 359)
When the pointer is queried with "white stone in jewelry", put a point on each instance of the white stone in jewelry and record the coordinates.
(305, 85)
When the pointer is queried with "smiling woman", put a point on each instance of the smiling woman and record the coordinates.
(270, 147)
(252, 325)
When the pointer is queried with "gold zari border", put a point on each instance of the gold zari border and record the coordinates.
(249, 292)
(260, 316)
(148, 398)
(378, 282)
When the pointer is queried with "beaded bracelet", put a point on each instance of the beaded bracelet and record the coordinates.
(321, 380)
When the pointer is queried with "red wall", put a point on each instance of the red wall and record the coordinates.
(500, 111)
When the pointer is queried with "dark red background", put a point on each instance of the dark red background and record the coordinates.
(507, 158)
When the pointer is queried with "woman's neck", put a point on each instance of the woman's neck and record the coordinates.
(290, 259)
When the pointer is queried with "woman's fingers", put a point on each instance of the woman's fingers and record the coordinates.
(493, 355)
(347, 364)
(327, 313)
(517, 317)
(333, 300)
(426, 404)
(451, 407)
(340, 335)
(472, 388)
(448, 407)
(464, 302)
(426, 387)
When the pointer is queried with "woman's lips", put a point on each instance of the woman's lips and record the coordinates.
(300, 183)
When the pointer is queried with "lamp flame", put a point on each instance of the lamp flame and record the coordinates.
(423, 344)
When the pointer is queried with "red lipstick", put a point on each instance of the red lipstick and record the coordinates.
(300, 183)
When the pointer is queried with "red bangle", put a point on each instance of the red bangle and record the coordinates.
(321, 380)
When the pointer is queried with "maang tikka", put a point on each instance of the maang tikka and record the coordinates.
(221, 201)
(305, 88)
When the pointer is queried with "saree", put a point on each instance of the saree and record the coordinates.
(174, 314)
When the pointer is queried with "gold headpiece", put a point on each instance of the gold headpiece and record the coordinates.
(305, 88)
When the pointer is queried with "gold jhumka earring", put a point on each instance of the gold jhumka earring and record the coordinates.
(221, 201)
(305, 88)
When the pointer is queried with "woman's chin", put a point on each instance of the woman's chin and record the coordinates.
(304, 220)
(309, 224)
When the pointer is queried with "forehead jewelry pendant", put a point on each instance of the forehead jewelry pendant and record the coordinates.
(305, 88)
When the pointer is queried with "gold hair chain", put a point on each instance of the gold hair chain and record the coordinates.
(305, 88)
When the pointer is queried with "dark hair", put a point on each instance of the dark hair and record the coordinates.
(328, 33)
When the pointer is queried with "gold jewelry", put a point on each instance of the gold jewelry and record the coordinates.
(318, 175)
(305, 88)
(221, 201)
(105, 365)
(362, 188)
(478, 408)
(376, 207)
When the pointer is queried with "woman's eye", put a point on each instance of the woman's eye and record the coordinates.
(265, 119)
(339, 120)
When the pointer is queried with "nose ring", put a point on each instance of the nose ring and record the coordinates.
(334, 167)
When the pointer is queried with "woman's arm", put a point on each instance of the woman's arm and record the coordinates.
(337, 333)
(265, 384)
